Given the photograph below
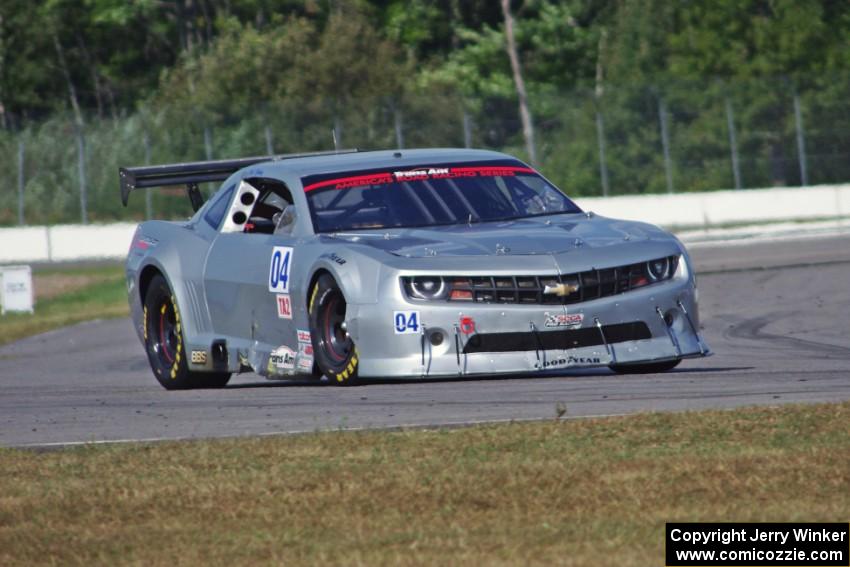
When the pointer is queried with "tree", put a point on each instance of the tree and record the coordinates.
(516, 69)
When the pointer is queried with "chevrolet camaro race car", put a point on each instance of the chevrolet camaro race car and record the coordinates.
(413, 263)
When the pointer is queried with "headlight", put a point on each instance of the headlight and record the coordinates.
(659, 269)
(427, 287)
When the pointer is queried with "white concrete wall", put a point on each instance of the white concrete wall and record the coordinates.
(26, 244)
(62, 243)
(72, 242)
(687, 210)
(714, 208)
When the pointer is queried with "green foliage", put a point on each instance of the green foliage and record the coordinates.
(229, 78)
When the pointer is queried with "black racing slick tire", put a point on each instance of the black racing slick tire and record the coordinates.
(646, 368)
(333, 349)
(163, 333)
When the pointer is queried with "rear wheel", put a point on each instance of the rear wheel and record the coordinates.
(334, 350)
(646, 368)
(164, 342)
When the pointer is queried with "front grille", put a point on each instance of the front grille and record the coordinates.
(529, 290)
(552, 340)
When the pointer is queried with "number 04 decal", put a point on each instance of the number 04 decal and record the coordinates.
(406, 322)
(279, 269)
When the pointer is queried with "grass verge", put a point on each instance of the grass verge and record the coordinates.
(582, 492)
(65, 296)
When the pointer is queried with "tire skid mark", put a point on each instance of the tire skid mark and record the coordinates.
(752, 329)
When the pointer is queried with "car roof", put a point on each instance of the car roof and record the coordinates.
(354, 161)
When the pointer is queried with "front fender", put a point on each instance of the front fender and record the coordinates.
(358, 275)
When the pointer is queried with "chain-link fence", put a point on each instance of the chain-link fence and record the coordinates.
(617, 140)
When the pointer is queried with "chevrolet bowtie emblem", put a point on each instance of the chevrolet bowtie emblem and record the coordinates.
(561, 290)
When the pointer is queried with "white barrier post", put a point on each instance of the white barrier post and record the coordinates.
(16, 290)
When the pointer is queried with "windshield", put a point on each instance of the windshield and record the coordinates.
(431, 195)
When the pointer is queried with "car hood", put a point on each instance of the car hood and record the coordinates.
(542, 235)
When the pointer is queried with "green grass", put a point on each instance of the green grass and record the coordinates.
(578, 492)
(72, 295)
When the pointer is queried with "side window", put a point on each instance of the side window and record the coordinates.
(218, 209)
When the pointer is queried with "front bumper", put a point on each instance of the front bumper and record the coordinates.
(656, 323)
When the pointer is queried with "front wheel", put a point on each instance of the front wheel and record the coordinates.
(646, 368)
(335, 353)
(164, 343)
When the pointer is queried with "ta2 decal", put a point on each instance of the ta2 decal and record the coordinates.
(284, 307)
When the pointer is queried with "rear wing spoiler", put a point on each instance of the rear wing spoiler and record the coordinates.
(191, 174)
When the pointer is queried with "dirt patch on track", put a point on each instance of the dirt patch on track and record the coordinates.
(48, 286)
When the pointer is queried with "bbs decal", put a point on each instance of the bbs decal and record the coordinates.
(279, 269)
(406, 322)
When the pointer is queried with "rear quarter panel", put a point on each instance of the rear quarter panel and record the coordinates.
(178, 251)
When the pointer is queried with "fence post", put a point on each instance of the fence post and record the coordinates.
(801, 141)
(81, 171)
(467, 129)
(665, 143)
(733, 143)
(603, 166)
(20, 182)
(146, 141)
(337, 133)
(399, 133)
(269, 145)
(208, 150)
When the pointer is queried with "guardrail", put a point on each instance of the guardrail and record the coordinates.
(62, 243)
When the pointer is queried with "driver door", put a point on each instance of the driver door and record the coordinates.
(246, 278)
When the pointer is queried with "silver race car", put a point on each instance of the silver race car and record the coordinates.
(414, 263)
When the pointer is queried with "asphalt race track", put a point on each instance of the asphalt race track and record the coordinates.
(776, 314)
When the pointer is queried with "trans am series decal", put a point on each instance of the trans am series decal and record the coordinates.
(422, 173)
(282, 358)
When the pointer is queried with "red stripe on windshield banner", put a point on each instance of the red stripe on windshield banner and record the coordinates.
(418, 174)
